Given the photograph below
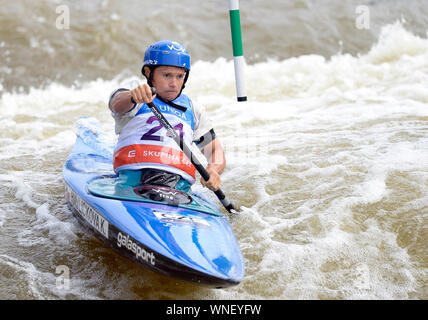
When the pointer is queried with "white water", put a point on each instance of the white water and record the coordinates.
(328, 160)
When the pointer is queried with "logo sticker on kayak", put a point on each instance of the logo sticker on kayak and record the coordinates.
(168, 217)
(85, 210)
(140, 253)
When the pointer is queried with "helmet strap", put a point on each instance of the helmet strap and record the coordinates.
(184, 82)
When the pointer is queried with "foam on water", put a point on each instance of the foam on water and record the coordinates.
(328, 160)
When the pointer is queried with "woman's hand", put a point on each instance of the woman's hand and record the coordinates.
(214, 183)
(142, 94)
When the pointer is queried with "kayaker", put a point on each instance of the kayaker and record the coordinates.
(143, 146)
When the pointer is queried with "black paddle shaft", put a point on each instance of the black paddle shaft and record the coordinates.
(219, 193)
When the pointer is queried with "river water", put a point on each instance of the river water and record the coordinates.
(328, 159)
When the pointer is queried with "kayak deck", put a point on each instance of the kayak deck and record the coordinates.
(113, 187)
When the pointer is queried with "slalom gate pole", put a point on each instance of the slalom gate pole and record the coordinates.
(238, 52)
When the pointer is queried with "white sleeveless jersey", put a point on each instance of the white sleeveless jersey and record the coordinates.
(145, 143)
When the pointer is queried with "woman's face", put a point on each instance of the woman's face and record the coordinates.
(168, 81)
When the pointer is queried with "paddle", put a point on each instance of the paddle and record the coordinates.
(219, 193)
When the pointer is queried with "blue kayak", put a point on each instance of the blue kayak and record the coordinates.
(178, 234)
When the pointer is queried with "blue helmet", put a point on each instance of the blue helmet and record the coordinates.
(166, 53)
